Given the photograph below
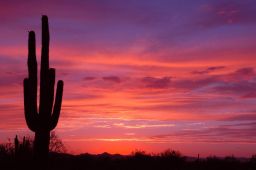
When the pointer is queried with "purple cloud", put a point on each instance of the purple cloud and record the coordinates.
(209, 70)
(242, 117)
(246, 72)
(89, 78)
(113, 79)
(190, 84)
(241, 88)
(225, 132)
(226, 13)
(240, 82)
(158, 83)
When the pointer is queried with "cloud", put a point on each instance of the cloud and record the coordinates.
(239, 82)
(140, 126)
(113, 79)
(241, 88)
(243, 73)
(209, 70)
(251, 94)
(157, 83)
(227, 12)
(242, 117)
(190, 84)
(89, 78)
(224, 133)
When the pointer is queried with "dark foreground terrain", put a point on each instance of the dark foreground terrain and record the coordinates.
(169, 160)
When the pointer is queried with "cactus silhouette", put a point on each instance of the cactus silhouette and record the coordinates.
(42, 120)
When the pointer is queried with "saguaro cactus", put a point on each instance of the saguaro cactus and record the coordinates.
(42, 120)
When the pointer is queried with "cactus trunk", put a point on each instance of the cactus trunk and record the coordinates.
(41, 145)
(46, 119)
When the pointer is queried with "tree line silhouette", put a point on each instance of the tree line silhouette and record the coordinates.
(18, 155)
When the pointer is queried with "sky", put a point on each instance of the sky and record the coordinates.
(146, 75)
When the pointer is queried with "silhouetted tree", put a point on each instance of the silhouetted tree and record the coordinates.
(43, 121)
(6, 150)
(139, 153)
(171, 154)
(56, 144)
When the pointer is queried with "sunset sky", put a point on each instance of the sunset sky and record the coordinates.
(139, 74)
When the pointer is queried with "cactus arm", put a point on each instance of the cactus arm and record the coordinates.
(51, 89)
(30, 85)
(30, 116)
(57, 105)
(32, 71)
